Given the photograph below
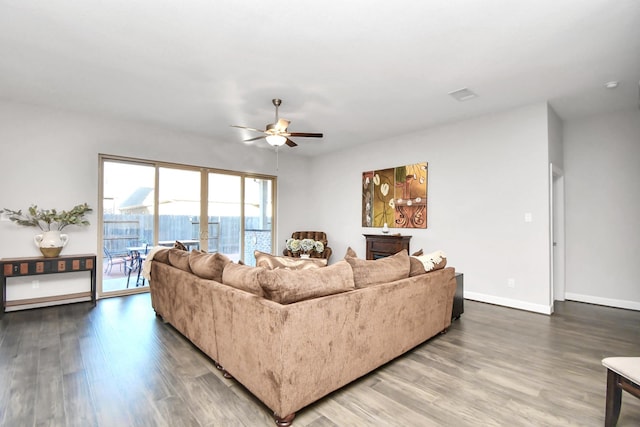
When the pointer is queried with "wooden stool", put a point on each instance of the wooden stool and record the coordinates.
(623, 373)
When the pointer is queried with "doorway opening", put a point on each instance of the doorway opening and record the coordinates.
(557, 240)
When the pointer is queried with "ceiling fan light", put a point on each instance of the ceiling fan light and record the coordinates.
(276, 140)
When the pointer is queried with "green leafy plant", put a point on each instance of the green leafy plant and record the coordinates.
(49, 219)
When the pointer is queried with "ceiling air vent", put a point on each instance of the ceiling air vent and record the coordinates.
(463, 94)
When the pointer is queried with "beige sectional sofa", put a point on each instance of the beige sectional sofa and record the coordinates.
(293, 336)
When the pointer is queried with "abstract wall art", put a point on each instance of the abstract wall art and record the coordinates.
(395, 196)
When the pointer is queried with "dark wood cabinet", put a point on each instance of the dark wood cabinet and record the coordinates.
(15, 267)
(383, 245)
(458, 299)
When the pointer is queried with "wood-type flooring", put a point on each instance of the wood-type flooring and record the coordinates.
(118, 365)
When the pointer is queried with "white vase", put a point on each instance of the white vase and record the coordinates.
(51, 243)
(385, 228)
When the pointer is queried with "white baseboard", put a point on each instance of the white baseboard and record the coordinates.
(46, 304)
(507, 302)
(618, 303)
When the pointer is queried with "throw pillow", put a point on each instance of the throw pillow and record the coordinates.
(179, 245)
(350, 253)
(432, 261)
(272, 262)
(179, 259)
(289, 286)
(242, 277)
(208, 266)
(382, 270)
(416, 267)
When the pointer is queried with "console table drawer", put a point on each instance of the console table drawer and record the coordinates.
(380, 246)
(390, 247)
(46, 266)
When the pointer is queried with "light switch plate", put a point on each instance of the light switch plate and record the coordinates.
(528, 217)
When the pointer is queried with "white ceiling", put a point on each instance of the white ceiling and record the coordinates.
(358, 71)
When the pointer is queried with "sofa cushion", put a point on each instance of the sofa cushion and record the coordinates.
(179, 259)
(287, 286)
(428, 262)
(242, 277)
(208, 266)
(161, 255)
(382, 270)
(272, 262)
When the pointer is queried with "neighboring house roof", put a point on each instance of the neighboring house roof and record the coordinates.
(137, 199)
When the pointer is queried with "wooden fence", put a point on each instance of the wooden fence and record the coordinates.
(123, 231)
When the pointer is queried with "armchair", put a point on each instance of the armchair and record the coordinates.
(315, 235)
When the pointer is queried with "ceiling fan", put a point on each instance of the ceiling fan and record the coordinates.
(276, 133)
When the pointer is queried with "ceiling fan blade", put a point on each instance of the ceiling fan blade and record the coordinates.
(255, 139)
(306, 134)
(244, 127)
(278, 131)
(282, 125)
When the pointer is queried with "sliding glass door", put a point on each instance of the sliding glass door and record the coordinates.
(179, 207)
(127, 222)
(258, 217)
(224, 212)
(147, 204)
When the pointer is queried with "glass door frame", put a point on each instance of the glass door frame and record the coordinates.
(204, 189)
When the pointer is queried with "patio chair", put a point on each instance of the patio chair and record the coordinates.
(138, 256)
(114, 260)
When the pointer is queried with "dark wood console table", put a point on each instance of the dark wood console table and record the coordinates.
(383, 245)
(17, 267)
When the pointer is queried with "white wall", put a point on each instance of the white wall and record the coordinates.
(484, 175)
(602, 174)
(50, 158)
(556, 147)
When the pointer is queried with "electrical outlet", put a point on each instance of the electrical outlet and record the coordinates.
(511, 282)
(35, 284)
